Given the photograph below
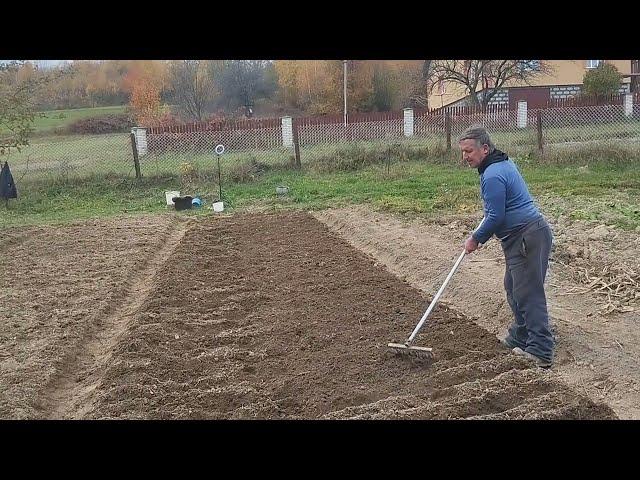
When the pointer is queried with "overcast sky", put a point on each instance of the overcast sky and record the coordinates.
(42, 63)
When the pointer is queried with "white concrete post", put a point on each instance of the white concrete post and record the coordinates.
(408, 122)
(287, 132)
(628, 104)
(522, 114)
(141, 140)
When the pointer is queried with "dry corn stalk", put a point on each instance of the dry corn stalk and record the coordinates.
(618, 285)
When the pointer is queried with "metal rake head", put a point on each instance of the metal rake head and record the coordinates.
(410, 351)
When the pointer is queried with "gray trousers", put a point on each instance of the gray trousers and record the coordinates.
(527, 257)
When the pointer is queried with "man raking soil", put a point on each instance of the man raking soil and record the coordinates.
(526, 238)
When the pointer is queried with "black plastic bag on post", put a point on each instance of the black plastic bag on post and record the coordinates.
(7, 185)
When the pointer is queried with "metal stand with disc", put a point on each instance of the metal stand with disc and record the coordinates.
(219, 205)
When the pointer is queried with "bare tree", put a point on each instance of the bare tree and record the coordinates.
(192, 86)
(421, 85)
(242, 82)
(482, 79)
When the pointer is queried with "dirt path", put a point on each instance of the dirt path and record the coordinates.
(71, 393)
(599, 355)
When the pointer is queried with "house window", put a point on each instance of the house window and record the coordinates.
(593, 63)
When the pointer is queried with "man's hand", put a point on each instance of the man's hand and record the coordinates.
(471, 244)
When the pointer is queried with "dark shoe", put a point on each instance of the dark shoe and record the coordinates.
(537, 360)
(507, 341)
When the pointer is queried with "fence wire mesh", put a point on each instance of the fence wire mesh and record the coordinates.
(72, 157)
(352, 132)
(589, 124)
(170, 152)
(167, 152)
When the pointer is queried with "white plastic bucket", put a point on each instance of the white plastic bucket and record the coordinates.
(218, 206)
(282, 190)
(169, 196)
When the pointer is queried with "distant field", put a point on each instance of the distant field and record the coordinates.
(61, 118)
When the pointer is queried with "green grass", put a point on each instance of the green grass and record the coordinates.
(413, 187)
(53, 119)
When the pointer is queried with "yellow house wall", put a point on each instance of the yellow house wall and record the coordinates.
(564, 72)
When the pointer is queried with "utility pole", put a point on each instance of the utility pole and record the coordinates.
(344, 64)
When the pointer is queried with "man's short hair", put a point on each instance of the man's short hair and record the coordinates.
(479, 134)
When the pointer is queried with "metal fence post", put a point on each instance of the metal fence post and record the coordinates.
(136, 161)
(296, 142)
(447, 127)
(539, 122)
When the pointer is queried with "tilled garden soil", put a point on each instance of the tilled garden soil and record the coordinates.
(61, 289)
(273, 316)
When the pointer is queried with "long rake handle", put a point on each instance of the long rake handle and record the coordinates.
(437, 297)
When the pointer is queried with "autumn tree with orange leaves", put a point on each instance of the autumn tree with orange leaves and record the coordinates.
(144, 88)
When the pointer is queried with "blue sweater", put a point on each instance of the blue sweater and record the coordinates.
(508, 206)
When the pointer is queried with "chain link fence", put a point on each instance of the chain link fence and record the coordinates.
(553, 129)
(171, 151)
(168, 152)
(589, 124)
(62, 158)
(503, 125)
(319, 134)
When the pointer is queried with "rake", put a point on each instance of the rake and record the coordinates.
(407, 347)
